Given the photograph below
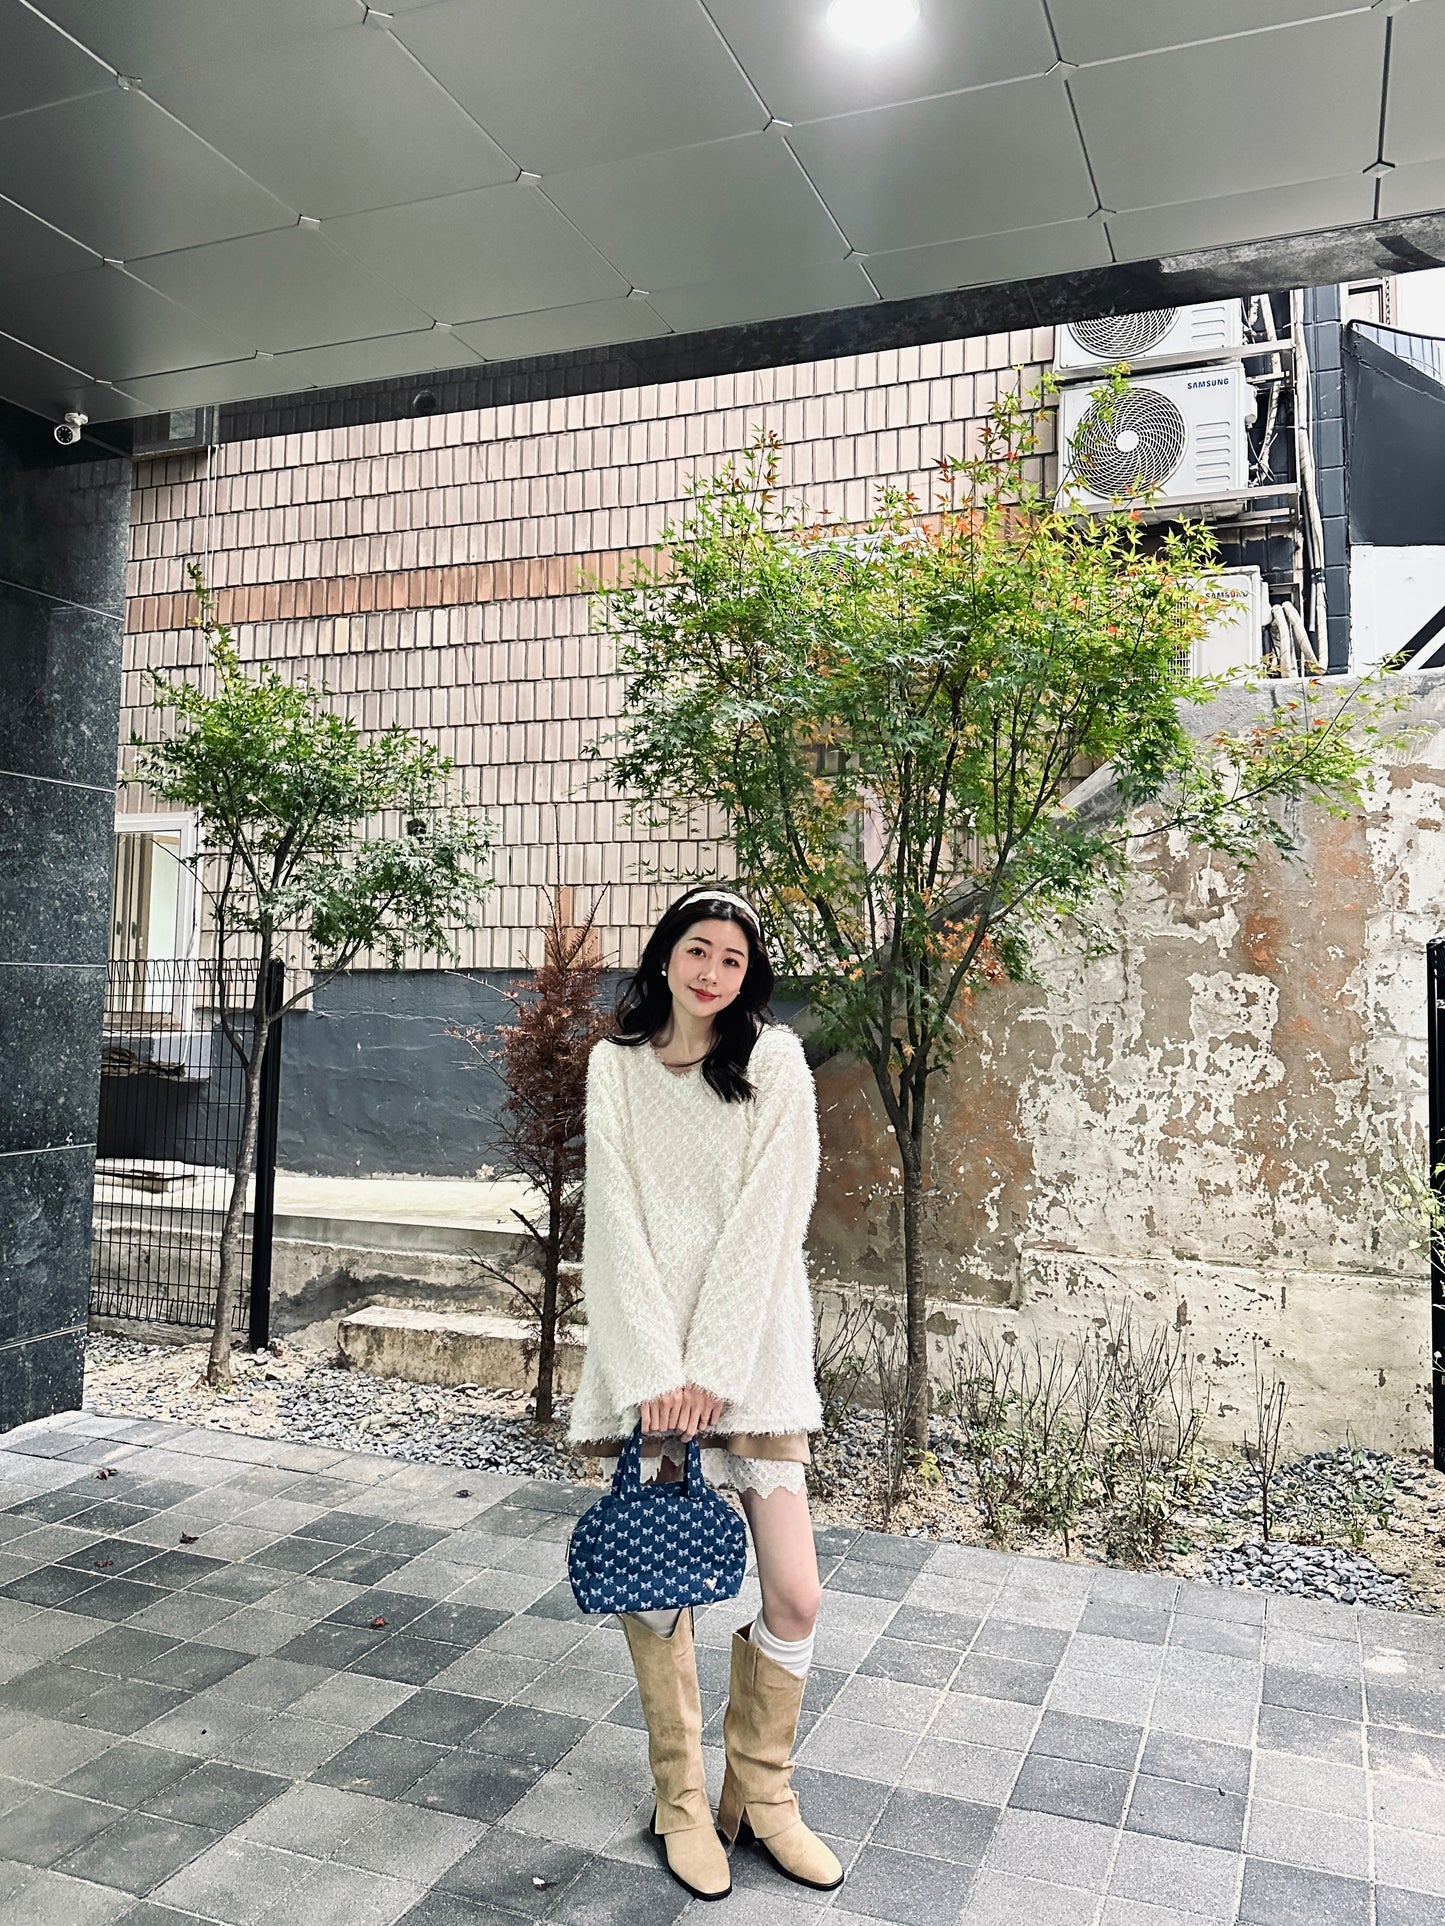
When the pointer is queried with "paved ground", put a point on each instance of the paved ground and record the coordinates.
(199, 1720)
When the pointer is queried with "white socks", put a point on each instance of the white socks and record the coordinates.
(794, 1655)
(664, 1623)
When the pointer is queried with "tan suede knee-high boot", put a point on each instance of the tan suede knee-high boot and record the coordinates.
(667, 1685)
(759, 1727)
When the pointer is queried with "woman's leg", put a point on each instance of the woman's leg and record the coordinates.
(769, 1664)
(782, 1529)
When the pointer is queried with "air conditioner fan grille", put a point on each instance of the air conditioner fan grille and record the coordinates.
(1127, 444)
(1112, 336)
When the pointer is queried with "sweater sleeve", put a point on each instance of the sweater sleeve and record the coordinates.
(765, 1231)
(631, 1323)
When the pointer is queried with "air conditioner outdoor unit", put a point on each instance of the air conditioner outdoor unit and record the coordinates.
(1231, 642)
(1156, 338)
(1172, 439)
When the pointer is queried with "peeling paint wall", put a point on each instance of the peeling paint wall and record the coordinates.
(1203, 1125)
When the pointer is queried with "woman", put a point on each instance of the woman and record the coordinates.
(702, 1160)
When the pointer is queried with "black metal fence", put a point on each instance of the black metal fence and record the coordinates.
(172, 1104)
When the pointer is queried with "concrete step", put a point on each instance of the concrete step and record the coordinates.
(431, 1347)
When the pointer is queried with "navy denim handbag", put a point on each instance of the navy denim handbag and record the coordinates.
(647, 1548)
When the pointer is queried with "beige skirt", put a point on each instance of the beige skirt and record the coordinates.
(740, 1460)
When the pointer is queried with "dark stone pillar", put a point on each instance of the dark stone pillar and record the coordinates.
(64, 516)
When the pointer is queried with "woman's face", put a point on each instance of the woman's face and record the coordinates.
(707, 966)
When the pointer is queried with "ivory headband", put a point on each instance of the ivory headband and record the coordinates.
(726, 896)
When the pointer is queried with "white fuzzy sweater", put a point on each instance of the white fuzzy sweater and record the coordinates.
(692, 1262)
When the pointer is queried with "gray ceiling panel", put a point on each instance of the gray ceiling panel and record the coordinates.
(595, 324)
(804, 71)
(49, 388)
(1269, 110)
(286, 289)
(103, 322)
(502, 250)
(342, 121)
(1415, 112)
(908, 176)
(142, 37)
(956, 157)
(289, 374)
(41, 65)
(1105, 30)
(30, 250)
(123, 178)
(1021, 255)
(735, 208)
(1151, 232)
(1413, 190)
(1014, 257)
(563, 84)
(811, 290)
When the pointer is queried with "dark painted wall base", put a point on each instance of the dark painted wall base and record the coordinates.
(373, 1084)
(40, 1376)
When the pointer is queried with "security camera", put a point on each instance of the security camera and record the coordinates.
(67, 432)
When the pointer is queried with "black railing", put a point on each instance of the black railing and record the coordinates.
(172, 1104)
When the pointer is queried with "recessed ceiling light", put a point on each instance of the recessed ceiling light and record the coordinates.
(872, 23)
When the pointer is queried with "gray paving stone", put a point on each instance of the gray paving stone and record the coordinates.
(963, 1771)
(1072, 1788)
(910, 1662)
(503, 1866)
(529, 1735)
(1317, 1785)
(1326, 1841)
(920, 1625)
(1015, 1638)
(906, 1887)
(1062, 1735)
(845, 1745)
(1334, 1698)
(991, 1722)
(1142, 1624)
(838, 1804)
(1218, 1636)
(137, 1853)
(474, 1785)
(45, 1827)
(128, 1775)
(1275, 1895)
(1006, 1899)
(1394, 1908)
(383, 1766)
(1196, 1762)
(1310, 1736)
(438, 1718)
(216, 1794)
(1125, 1700)
(983, 1676)
(608, 1892)
(1413, 1805)
(1039, 1844)
(935, 1826)
(1412, 1860)
(55, 1899)
(888, 1702)
(1200, 1815)
(1203, 1880)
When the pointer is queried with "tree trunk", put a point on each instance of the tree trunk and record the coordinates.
(233, 1229)
(915, 1299)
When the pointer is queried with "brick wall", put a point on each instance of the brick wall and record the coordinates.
(426, 572)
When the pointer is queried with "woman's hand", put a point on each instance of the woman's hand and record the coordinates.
(685, 1411)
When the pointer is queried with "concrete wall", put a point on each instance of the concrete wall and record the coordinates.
(62, 591)
(1201, 1125)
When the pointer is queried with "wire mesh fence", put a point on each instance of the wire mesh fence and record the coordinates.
(172, 1097)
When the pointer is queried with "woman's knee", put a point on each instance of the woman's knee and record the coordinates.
(791, 1610)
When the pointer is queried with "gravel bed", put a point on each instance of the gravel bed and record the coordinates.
(303, 1397)
(1308, 1571)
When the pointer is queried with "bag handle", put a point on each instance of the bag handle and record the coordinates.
(627, 1479)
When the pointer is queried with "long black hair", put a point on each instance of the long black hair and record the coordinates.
(644, 1005)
